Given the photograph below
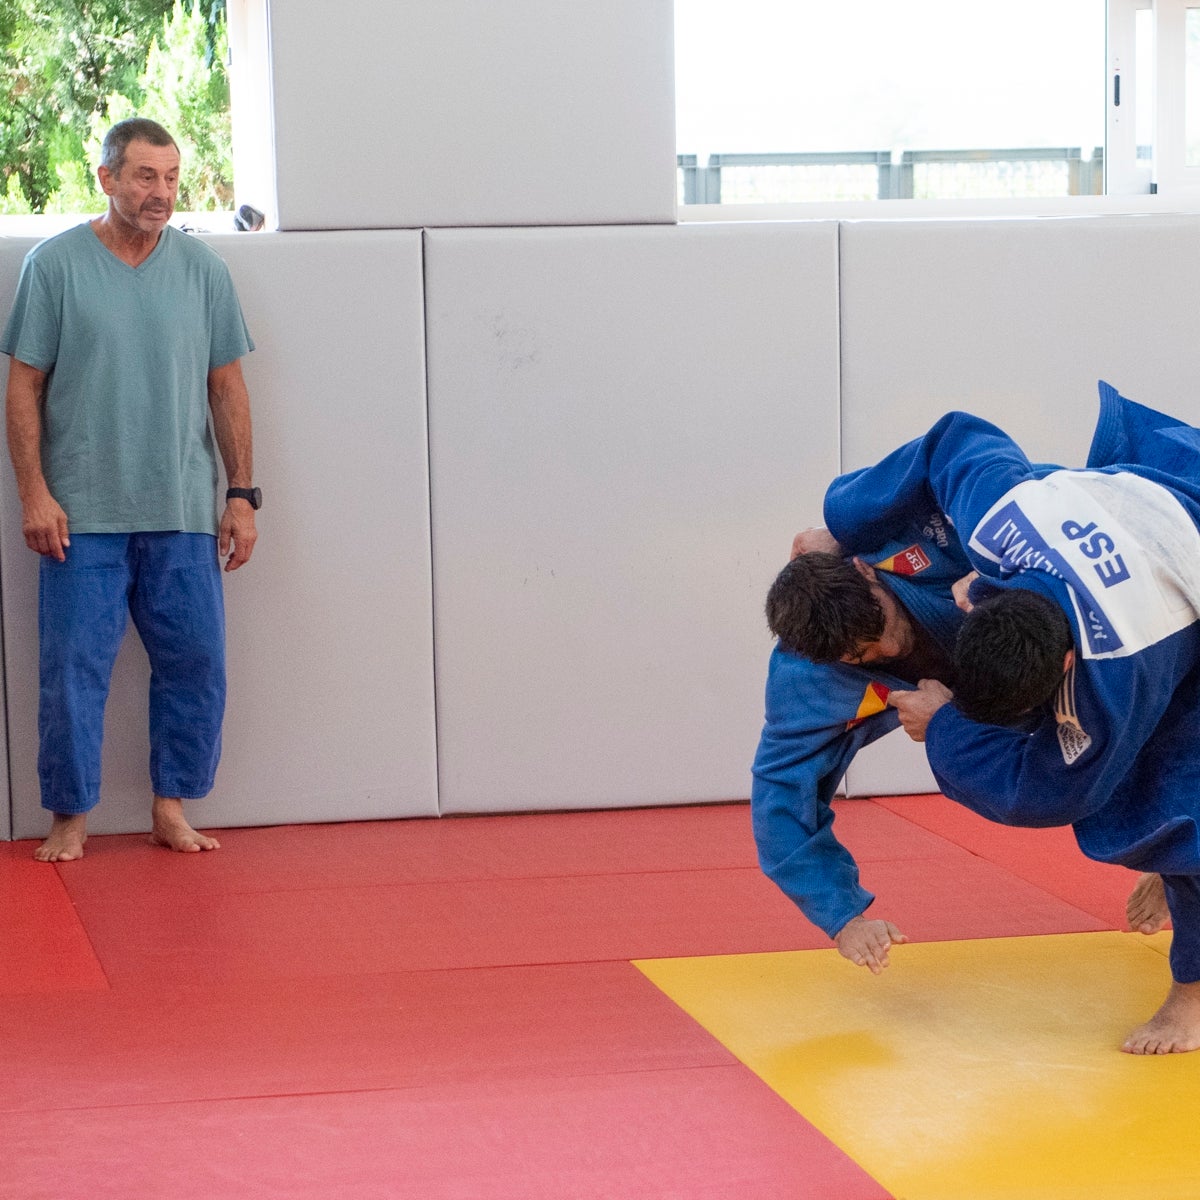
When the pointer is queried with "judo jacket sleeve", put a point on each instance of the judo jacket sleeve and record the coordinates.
(819, 715)
(811, 733)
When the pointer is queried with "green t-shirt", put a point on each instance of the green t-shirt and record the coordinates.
(126, 444)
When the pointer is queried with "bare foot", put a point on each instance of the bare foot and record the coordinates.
(1174, 1029)
(172, 830)
(1146, 909)
(68, 832)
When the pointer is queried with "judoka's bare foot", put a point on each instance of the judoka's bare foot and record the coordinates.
(1146, 909)
(1174, 1029)
(171, 829)
(68, 832)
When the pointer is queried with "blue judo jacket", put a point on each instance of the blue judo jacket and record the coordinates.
(819, 715)
(1116, 546)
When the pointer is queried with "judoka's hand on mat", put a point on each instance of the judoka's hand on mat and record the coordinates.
(819, 539)
(866, 943)
(916, 708)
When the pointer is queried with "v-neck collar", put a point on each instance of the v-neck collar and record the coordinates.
(162, 237)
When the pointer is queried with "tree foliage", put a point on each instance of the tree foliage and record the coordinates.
(73, 67)
(190, 97)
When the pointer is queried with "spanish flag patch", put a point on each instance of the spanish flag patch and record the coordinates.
(874, 701)
(912, 561)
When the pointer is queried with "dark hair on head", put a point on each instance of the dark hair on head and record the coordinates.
(135, 129)
(822, 607)
(1009, 656)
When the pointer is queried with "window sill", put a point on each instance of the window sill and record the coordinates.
(917, 210)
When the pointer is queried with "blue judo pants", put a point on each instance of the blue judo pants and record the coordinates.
(170, 583)
(1183, 899)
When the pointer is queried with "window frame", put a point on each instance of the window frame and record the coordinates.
(1172, 175)
(1132, 185)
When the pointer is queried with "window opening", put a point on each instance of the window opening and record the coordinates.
(877, 100)
(1144, 83)
(72, 69)
(1192, 87)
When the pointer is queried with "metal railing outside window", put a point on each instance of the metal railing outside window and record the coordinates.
(881, 175)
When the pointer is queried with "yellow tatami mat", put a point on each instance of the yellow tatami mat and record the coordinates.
(979, 1070)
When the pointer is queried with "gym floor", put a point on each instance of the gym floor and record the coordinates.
(571, 1006)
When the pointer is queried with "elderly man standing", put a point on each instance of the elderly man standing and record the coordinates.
(125, 334)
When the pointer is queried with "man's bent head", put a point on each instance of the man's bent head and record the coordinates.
(1012, 651)
(825, 608)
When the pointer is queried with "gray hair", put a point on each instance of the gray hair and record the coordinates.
(135, 129)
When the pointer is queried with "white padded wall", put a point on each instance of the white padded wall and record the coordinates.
(12, 254)
(330, 712)
(470, 112)
(330, 635)
(893, 766)
(626, 427)
(1015, 320)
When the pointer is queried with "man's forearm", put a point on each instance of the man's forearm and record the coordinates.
(43, 522)
(23, 405)
(229, 401)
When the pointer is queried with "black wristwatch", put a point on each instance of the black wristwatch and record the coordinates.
(253, 495)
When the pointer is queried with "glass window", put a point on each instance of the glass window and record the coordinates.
(889, 99)
(1192, 87)
(1144, 81)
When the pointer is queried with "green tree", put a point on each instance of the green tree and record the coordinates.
(64, 63)
(184, 88)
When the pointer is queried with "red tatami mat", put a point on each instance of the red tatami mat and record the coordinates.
(1048, 858)
(362, 1033)
(368, 853)
(442, 1009)
(873, 834)
(224, 937)
(43, 946)
(713, 1133)
(963, 899)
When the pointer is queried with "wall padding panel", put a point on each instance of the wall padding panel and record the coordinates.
(330, 712)
(893, 766)
(626, 428)
(12, 254)
(1015, 321)
(469, 112)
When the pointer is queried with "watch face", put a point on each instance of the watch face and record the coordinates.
(256, 498)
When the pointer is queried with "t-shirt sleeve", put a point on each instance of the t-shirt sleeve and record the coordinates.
(229, 337)
(34, 325)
